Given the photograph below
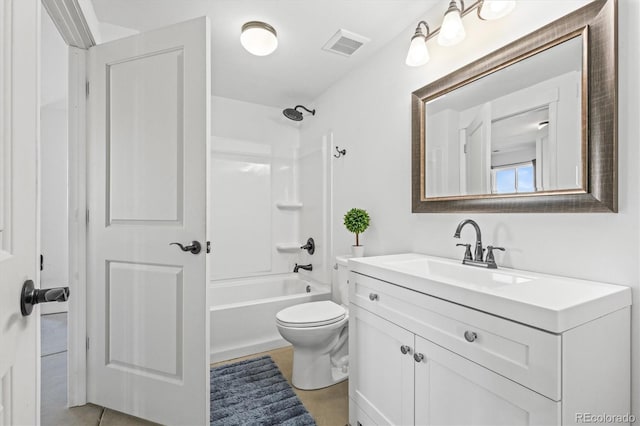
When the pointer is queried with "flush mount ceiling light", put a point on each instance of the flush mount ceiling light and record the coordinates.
(259, 38)
(418, 54)
(452, 30)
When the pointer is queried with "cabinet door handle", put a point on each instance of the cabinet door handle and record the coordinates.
(405, 349)
(470, 336)
(418, 357)
(373, 297)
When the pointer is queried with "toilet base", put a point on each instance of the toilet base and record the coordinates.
(315, 371)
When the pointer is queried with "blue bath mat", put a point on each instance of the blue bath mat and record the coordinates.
(254, 392)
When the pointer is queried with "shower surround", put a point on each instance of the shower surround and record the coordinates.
(269, 195)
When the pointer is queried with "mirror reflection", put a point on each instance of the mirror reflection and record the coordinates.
(515, 131)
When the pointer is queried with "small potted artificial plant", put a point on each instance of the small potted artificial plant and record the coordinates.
(357, 221)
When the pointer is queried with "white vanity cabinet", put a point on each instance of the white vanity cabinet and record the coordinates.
(381, 377)
(420, 359)
(438, 388)
(452, 390)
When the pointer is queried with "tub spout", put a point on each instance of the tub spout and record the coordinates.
(308, 267)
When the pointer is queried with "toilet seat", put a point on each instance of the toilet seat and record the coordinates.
(312, 314)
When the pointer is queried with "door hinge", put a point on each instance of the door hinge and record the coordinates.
(87, 215)
(87, 343)
(87, 88)
(41, 262)
(465, 148)
(208, 246)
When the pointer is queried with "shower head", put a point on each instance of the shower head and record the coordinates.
(294, 114)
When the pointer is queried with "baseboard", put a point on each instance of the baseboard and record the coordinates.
(232, 353)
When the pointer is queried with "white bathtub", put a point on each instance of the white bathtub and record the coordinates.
(243, 312)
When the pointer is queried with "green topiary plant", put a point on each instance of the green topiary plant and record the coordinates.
(356, 221)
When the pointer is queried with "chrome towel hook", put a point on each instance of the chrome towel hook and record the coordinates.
(341, 152)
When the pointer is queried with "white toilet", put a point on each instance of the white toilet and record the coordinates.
(319, 334)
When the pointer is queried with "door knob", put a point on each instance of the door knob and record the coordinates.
(31, 296)
(194, 248)
(418, 357)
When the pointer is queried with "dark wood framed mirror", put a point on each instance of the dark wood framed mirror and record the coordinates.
(531, 127)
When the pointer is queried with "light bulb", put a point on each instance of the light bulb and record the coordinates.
(452, 31)
(259, 38)
(418, 54)
(495, 9)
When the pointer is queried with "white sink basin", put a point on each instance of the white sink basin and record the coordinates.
(454, 272)
(549, 302)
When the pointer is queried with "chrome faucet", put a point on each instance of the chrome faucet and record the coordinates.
(308, 267)
(477, 259)
(479, 251)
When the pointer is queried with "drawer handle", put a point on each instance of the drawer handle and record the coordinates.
(470, 336)
(373, 297)
(418, 357)
(405, 349)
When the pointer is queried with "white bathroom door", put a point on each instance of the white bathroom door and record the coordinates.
(19, 103)
(148, 337)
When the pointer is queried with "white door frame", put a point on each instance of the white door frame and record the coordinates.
(77, 315)
(80, 33)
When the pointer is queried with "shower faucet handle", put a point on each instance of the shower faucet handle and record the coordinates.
(310, 246)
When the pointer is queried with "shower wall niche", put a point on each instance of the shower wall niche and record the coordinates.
(255, 202)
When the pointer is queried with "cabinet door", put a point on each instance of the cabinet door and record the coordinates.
(451, 390)
(381, 376)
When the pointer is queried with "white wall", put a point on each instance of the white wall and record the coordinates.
(370, 115)
(54, 210)
(253, 168)
(54, 161)
(54, 64)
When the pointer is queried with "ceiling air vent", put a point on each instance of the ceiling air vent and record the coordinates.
(345, 43)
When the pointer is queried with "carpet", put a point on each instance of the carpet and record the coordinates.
(254, 392)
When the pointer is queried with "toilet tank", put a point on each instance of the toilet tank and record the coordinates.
(341, 280)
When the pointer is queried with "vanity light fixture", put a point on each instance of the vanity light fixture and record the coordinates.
(418, 54)
(495, 9)
(259, 38)
(452, 30)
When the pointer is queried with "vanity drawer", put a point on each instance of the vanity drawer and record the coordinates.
(521, 353)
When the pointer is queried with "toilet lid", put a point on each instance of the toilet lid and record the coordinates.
(311, 314)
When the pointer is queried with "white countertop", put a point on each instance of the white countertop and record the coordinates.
(548, 302)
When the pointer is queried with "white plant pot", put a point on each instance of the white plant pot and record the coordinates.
(357, 251)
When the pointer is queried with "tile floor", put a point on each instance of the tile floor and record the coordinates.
(328, 406)
(54, 411)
